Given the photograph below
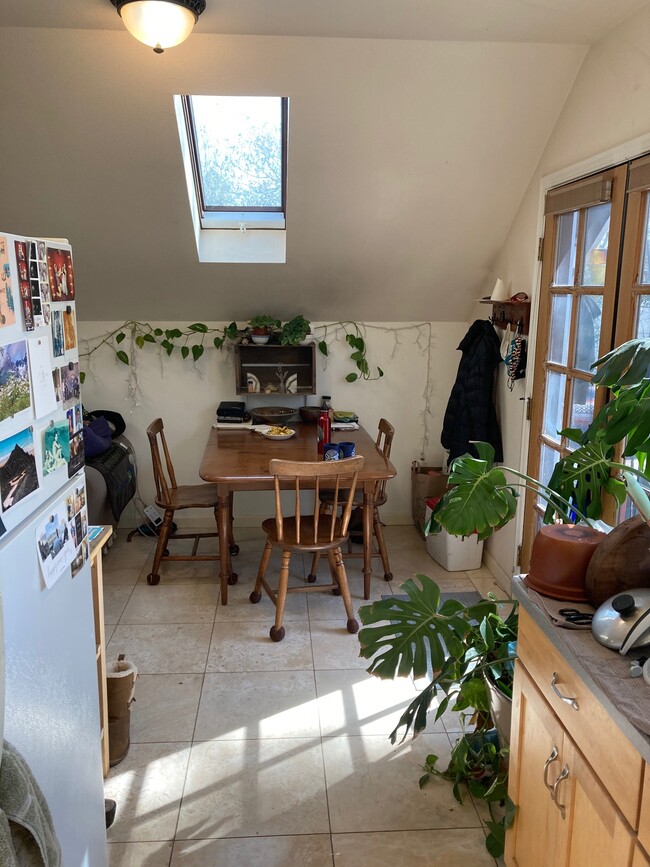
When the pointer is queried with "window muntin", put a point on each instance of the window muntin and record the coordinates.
(239, 152)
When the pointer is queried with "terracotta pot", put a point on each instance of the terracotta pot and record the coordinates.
(559, 560)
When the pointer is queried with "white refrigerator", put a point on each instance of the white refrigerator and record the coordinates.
(49, 682)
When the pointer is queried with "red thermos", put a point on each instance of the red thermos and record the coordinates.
(324, 425)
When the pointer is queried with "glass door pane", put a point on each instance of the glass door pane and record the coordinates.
(558, 350)
(590, 313)
(594, 259)
(567, 242)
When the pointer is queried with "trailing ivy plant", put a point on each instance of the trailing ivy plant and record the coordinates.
(191, 341)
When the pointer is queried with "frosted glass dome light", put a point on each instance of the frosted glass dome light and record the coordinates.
(159, 23)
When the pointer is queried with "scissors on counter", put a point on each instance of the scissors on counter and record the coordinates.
(572, 615)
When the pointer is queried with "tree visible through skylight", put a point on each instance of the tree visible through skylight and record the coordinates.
(239, 144)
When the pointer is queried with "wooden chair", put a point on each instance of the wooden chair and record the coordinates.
(314, 532)
(384, 443)
(170, 497)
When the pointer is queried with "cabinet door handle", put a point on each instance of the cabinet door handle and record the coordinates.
(549, 761)
(573, 702)
(564, 773)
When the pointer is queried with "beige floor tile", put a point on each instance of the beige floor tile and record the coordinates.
(325, 606)
(165, 707)
(126, 555)
(139, 854)
(407, 563)
(334, 647)
(265, 704)
(147, 786)
(489, 585)
(240, 607)
(254, 788)
(306, 850)
(163, 649)
(122, 576)
(115, 599)
(373, 786)
(400, 536)
(183, 572)
(355, 703)
(193, 603)
(246, 646)
(483, 572)
(457, 848)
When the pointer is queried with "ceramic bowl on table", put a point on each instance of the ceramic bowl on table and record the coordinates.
(282, 436)
(273, 414)
(309, 414)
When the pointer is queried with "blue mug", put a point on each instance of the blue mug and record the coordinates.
(330, 451)
(347, 450)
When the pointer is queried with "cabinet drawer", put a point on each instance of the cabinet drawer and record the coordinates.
(611, 755)
(644, 817)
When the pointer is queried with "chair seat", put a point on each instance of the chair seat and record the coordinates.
(191, 497)
(306, 534)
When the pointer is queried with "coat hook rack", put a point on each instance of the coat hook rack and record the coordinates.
(515, 314)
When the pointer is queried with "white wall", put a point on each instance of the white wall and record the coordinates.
(607, 107)
(186, 396)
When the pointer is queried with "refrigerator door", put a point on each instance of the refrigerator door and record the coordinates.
(52, 706)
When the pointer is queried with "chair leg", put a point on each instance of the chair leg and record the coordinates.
(277, 631)
(341, 577)
(256, 595)
(165, 529)
(383, 552)
(313, 575)
(234, 548)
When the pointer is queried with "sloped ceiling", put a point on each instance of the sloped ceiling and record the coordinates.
(407, 161)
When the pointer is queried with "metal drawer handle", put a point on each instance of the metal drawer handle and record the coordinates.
(570, 701)
(564, 773)
(549, 761)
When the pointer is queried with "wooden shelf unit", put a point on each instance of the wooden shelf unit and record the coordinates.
(96, 576)
(271, 365)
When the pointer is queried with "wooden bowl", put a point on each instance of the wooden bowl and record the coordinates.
(273, 414)
(309, 414)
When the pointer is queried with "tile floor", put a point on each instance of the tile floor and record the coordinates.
(245, 752)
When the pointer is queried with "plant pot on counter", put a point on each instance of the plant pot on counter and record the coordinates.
(621, 562)
(559, 560)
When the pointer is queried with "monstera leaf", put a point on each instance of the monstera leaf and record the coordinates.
(581, 478)
(625, 366)
(481, 500)
(417, 633)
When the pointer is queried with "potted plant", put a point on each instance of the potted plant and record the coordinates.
(466, 651)
(261, 328)
(295, 331)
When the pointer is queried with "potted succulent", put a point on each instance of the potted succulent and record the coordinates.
(295, 331)
(261, 328)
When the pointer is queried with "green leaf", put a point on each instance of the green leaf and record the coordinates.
(580, 478)
(218, 342)
(380, 371)
(351, 340)
(169, 349)
(158, 332)
(322, 346)
(352, 377)
(139, 340)
(230, 331)
(124, 358)
(356, 356)
(120, 337)
(625, 366)
(200, 327)
(175, 332)
(185, 351)
(424, 779)
(197, 351)
(167, 345)
(149, 338)
(82, 377)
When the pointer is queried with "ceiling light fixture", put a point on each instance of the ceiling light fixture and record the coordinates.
(159, 23)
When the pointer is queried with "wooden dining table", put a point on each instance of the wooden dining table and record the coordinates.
(238, 460)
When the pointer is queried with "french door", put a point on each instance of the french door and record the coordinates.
(583, 234)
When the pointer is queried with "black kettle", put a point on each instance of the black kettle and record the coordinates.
(623, 621)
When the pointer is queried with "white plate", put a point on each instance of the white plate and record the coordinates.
(281, 437)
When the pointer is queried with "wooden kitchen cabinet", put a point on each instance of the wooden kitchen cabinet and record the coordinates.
(644, 818)
(566, 816)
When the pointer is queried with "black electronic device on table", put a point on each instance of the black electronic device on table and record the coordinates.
(232, 411)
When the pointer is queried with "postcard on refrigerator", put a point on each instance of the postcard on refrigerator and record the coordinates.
(7, 288)
(15, 397)
(56, 446)
(76, 461)
(41, 372)
(56, 549)
(69, 328)
(61, 274)
(70, 382)
(58, 346)
(18, 476)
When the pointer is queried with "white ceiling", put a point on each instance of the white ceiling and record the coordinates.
(552, 21)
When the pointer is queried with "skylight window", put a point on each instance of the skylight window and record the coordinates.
(235, 154)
